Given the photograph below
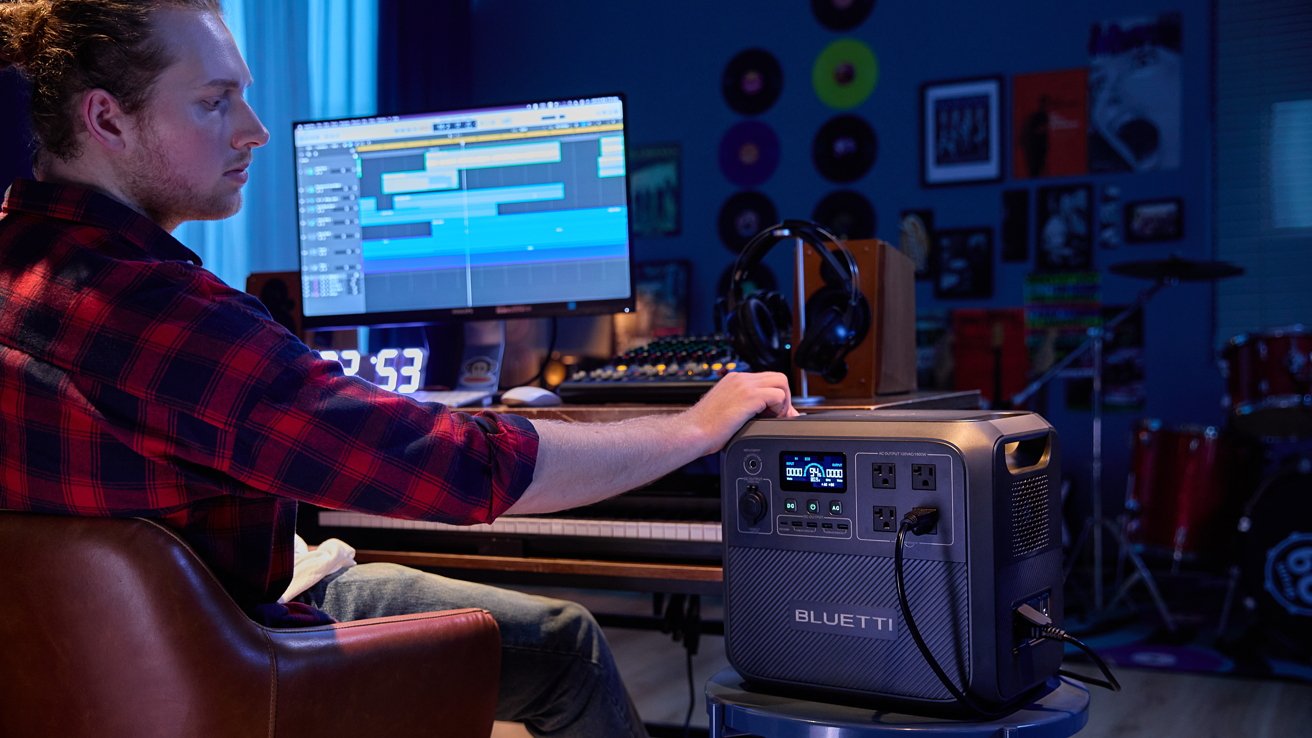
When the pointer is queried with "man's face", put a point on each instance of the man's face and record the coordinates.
(194, 137)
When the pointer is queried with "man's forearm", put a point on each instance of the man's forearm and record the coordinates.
(581, 463)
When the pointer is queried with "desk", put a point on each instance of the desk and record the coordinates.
(629, 576)
(919, 400)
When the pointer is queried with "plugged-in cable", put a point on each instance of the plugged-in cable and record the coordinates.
(1043, 628)
(919, 521)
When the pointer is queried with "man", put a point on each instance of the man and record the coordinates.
(133, 382)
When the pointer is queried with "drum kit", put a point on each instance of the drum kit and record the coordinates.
(1179, 502)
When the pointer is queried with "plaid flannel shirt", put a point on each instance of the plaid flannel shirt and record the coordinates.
(135, 383)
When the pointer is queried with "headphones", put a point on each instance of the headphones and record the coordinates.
(837, 314)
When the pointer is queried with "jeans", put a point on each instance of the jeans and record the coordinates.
(557, 674)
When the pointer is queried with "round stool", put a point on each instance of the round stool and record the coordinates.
(736, 711)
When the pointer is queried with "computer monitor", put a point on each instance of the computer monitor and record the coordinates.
(499, 211)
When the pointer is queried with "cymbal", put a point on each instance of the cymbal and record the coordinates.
(1178, 269)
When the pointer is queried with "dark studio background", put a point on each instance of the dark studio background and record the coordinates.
(668, 59)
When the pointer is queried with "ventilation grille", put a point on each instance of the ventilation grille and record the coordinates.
(1030, 526)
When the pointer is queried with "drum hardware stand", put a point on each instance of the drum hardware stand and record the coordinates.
(1097, 522)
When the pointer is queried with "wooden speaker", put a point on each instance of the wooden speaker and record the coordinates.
(885, 361)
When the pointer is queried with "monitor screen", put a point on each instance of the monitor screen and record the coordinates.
(489, 212)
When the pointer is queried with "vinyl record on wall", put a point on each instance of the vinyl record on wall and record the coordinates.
(841, 15)
(844, 148)
(752, 81)
(744, 215)
(749, 153)
(845, 74)
(848, 214)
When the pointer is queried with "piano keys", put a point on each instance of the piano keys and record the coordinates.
(530, 525)
(631, 527)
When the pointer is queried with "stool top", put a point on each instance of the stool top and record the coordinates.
(1059, 713)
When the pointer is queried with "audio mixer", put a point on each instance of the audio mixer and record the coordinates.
(674, 369)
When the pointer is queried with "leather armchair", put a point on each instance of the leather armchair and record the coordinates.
(114, 627)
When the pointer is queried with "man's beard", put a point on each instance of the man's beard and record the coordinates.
(166, 196)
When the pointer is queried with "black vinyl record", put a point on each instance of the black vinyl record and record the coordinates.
(744, 215)
(752, 81)
(847, 214)
(841, 15)
(844, 148)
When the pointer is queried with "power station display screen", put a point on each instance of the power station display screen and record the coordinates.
(813, 471)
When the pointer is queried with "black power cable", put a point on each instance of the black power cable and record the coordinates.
(921, 520)
(1043, 628)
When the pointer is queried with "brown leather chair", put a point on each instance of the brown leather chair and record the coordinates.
(115, 628)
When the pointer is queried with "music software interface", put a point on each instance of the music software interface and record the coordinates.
(479, 212)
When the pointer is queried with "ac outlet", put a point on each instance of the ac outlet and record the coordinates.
(885, 518)
(923, 477)
(1023, 630)
(883, 476)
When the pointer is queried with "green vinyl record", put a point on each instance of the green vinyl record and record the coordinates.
(845, 74)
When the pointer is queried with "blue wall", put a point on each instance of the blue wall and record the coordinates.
(668, 58)
(15, 157)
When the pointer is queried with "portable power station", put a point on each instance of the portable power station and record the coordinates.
(811, 511)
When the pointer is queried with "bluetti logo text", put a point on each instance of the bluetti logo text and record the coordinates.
(863, 622)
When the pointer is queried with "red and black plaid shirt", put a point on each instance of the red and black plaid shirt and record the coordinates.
(135, 383)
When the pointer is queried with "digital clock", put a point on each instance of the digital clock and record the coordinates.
(395, 369)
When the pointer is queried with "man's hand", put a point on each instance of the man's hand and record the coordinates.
(581, 463)
(735, 399)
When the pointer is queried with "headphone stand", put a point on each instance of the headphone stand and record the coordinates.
(805, 399)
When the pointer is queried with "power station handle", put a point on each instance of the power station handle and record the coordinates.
(1028, 454)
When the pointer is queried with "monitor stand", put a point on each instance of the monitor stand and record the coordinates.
(481, 357)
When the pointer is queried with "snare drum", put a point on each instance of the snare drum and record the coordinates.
(1176, 492)
(1269, 382)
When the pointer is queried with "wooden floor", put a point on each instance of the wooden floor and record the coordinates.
(1153, 704)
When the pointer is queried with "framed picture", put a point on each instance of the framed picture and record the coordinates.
(1136, 93)
(961, 131)
(1147, 221)
(661, 296)
(1049, 121)
(964, 262)
(915, 234)
(1063, 229)
(654, 189)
